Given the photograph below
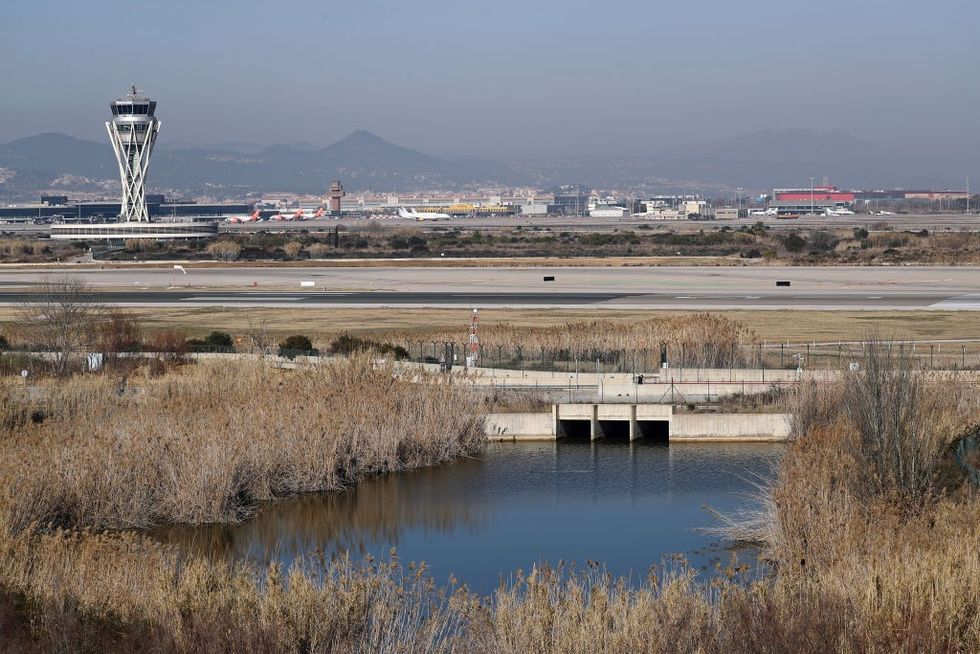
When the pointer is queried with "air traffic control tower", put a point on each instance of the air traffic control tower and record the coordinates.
(133, 131)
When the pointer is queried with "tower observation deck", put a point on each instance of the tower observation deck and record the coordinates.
(132, 132)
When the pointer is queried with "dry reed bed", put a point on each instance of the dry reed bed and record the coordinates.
(704, 339)
(207, 443)
(860, 563)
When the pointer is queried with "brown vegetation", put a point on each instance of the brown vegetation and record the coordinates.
(858, 563)
(697, 339)
(224, 250)
(207, 443)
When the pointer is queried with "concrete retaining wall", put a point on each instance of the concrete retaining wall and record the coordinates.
(523, 426)
(729, 427)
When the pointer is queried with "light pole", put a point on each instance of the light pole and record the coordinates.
(811, 196)
(738, 200)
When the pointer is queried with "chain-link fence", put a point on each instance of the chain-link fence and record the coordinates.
(931, 355)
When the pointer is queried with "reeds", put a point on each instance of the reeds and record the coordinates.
(855, 567)
(699, 339)
(207, 443)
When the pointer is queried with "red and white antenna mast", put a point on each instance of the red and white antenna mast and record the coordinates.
(473, 356)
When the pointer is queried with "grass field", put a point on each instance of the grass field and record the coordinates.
(322, 324)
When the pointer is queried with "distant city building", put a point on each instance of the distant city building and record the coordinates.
(133, 131)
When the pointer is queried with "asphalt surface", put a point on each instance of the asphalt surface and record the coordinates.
(612, 287)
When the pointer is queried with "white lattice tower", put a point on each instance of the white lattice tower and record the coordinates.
(132, 132)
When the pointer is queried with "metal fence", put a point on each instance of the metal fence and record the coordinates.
(930, 355)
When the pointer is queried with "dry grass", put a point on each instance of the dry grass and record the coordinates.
(704, 339)
(207, 443)
(322, 325)
(856, 566)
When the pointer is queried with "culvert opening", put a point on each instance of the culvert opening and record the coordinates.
(615, 430)
(575, 430)
(653, 431)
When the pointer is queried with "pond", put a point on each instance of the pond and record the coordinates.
(627, 506)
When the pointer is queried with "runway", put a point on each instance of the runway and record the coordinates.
(668, 287)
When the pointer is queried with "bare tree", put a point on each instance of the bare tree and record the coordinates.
(258, 336)
(62, 320)
(899, 431)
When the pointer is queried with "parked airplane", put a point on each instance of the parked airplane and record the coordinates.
(764, 212)
(421, 216)
(244, 219)
(840, 211)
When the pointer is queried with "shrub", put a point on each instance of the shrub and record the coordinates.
(293, 249)
(219, 339)
(346, 345)
(214, 341)
(319, 250)
(169, 344)
(225, 250)
(4, 343)
(900, 431)
(794, 243)
(296, 344)
(823, 241)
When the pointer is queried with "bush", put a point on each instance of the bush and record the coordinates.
(754, 253)
(225, 250)
(794, 243)
(319, 250)
(214, 341)
(347, 345)
(900, 430)
(293, 249)
(296, 344)
(823, 242)
(4, 343)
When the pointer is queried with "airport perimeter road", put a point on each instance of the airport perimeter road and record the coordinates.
(850, 288)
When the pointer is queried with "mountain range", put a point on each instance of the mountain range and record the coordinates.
(364, 161)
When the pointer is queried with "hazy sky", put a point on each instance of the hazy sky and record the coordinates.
(498, 78)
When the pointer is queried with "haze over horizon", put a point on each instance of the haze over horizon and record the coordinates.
(502, 80)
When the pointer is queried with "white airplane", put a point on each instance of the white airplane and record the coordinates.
(884, 213)
(763, 212)
(243, 219)
(840, 211)
(421, 216)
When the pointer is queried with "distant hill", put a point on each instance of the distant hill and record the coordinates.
(361, 160)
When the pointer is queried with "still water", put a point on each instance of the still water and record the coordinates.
(627, 506)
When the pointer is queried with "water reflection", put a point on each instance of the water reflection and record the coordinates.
(627, 505)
